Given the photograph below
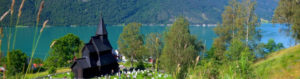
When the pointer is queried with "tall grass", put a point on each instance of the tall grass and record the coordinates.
(1, 36)
(35, 42)
(4, 15)
(38, 39)
(10, 29)
(10, 33)
(1, 30)
(18, 19)
(282, 64)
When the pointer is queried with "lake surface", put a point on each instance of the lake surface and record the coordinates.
(206, 34)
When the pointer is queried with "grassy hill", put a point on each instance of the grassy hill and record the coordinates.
(284, 64)
(86, 12)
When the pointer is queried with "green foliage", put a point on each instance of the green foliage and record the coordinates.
(217, 49)
(52, 70)
(154, 47)
(271, 46)
(179, 51)
(234, 50)
(131, 42)
(17, 62)
(63, 51)
(37, 61)
(239, 61)
(245, 63)
(141, 65)
(288, 12)
(207, 69)
(238, 22)
(238, 67)
(268, 48)
(2, 60)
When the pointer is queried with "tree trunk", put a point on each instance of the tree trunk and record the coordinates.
(247, 35)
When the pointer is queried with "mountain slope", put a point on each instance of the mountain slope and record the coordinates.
(284, 64)
(86, 12)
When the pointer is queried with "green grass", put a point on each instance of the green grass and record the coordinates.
(283, 64)
(45, 73)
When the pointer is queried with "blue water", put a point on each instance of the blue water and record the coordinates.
(206, 34)
(274, 31)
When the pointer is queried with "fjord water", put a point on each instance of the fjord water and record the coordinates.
(206, 34)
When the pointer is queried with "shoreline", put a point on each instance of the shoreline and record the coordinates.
(121, 25)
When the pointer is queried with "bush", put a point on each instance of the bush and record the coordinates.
(16, 62)
(52, 70)
(140, 65)
(63, 51)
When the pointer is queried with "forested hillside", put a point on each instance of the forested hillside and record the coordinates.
(86, 12)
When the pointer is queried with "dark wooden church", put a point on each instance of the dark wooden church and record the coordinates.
(97, 58)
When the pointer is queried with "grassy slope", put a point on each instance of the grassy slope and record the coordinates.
(283, 64)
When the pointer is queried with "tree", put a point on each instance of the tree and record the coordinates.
(238, 22)
(288, 12)
(237, 61)
(271, 46)
(179, 50)
(237, 38)
(37, 61)
(131, 42)
(18, 62)
(234, 50)
(64, 50)
(154, 47)
(217, 50)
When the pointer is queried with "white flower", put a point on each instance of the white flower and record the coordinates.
(159, 75)
(128, 72)
(166, 76)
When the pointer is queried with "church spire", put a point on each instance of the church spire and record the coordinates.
(101, 30)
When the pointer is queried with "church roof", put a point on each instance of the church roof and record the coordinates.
(101, 43)
(101, 29)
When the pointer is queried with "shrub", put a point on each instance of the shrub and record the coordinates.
(63, 50)
(16, 62)
(52, 70)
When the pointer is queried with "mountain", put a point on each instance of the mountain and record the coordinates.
(283, 64)
(86, 12)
